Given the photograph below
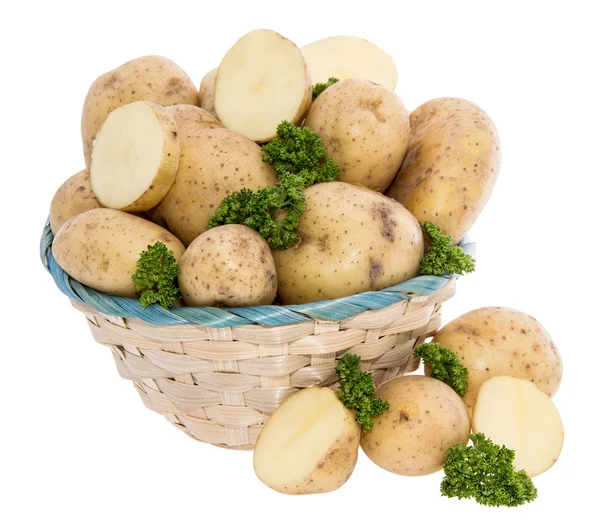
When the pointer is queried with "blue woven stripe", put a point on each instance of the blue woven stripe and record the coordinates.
(330, 310)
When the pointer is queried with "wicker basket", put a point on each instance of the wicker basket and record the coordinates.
(218, 374)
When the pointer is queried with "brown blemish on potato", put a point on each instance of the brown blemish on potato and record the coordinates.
(375, 270)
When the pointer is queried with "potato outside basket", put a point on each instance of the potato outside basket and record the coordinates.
(217, 374)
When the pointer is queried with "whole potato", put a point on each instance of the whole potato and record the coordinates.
(207, 91)
(451, 164)
(498, 341)
(352, 239)
(100, 248)
(150, 78)
(425, 418)
(364, 128)
(230, 266)
(214, 163)
(73, 197)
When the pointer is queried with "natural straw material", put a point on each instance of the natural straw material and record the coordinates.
(220, 384)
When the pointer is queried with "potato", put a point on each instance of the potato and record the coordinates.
(135, 157)
(309, 445)
(229, 266)
(149, 78)
(515, 413)
(191, 113)
(352, 239)
(451, 164)
(207, 91)
(349, 57)
(100, 248)
(73, 197)
(425, 418)
(214, 163)
(261, 81)
(364, 128)
(498, 341)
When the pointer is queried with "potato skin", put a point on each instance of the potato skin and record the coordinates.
(192, 114)
(425, 418)
(207, 91)
(451, 164)
(498, 341)
(352, 239)
(231, 266)
(73, 197)
(364, 128)
(214, 162)
(100, 248)
(151, 78)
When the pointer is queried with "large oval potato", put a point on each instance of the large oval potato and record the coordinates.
(425, 418)
(451, 164)
(309, 445)
(229, 266)
(364, 128)
(150, 78)
(214, 163)
(100, 248)
(73, 197)
(498, 341)
(352, 239)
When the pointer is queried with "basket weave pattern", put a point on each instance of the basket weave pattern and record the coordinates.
(218, 373)
(219, 385)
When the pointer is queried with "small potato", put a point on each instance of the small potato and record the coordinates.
(207, 91)
(214, 163)
(364, 128)
(100, 248)
(451, 164)
(149, 78)
(229, 266)
(309, 445)
(352, 239)
(498, 341)
(425, 418)
(73, 197)
(516, 414)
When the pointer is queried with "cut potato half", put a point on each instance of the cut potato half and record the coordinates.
(135, 157)
(349, 57)
(515, 413)
(260, 82)
(309, 445)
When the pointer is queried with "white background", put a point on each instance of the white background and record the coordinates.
(78, 449)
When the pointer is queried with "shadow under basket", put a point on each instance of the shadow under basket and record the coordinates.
(217, 374)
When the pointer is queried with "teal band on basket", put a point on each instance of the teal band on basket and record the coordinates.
(331, 310)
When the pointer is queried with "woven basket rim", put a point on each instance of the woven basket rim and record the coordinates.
(269, 315)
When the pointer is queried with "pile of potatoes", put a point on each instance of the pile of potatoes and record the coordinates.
(311, 443)
(162, 155)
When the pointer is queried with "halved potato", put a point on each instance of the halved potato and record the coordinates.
(135, 157)
(309, 445)
(344, 57)
(261, 81)
(515, 413)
